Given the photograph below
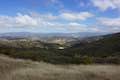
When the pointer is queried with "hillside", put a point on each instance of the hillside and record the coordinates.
(98, 49)
(17, 69)
(108, 45)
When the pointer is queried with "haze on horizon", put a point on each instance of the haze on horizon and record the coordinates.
(60, 16)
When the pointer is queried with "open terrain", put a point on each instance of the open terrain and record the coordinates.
(103, 49)
(17, 69)
(38, 60)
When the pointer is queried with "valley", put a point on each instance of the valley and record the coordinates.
(102, 49)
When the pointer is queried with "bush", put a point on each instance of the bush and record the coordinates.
(87, 60)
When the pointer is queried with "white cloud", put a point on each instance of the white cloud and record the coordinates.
(58, 23)
(106, 4)
(17, 21)
(35, 19)
(110, 22)
(77, 27)
(76, 16)
(25, 20)
(73, 26)
(46, 21)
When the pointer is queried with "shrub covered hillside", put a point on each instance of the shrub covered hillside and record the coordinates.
(105, 50)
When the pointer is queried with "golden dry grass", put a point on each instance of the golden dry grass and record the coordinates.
(16, 69)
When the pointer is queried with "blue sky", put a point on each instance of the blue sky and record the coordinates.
(59, 16)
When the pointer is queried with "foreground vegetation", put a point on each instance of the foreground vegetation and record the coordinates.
(17, 69)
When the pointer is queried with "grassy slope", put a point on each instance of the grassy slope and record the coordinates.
(12, 69)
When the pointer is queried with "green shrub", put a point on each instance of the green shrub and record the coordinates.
(87, 60)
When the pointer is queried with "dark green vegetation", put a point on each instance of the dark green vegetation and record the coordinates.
(105, 50)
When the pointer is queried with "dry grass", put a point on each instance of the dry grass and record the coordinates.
(14, 69)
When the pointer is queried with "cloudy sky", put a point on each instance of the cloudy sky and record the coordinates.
(60, 16)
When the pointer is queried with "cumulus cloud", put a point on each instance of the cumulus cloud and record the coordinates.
(70, 22)
(106, 4)
(17, 21)
(76, 16)
(26, 20)
(47, 21)
(35, 19)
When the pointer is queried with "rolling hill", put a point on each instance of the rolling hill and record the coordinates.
(101, 46)
(97, 49)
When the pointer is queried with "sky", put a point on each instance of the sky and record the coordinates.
(64, 16)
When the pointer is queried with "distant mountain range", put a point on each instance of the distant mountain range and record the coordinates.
(40, 35)
(48, 37)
